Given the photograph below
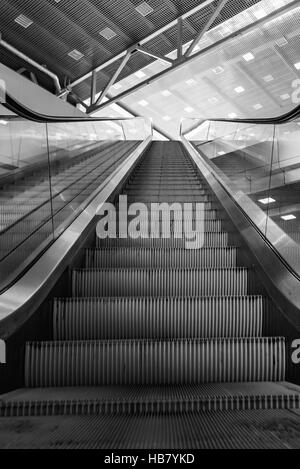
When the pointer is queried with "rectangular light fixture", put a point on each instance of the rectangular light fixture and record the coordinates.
(143, 102)
(288, 217)
(257, 106)
(267, 200)
(218, 70)
(144, 9)
(191, 82)
(22, 20)
(3, 122)
(117, 86)
(232, 115)
(297, 65)
(140, 74)
(221, 152)
(268, 78)
(284, 96)
(239, 89)
(107, 33)
(260, 13)
(282, 41)
(75, 54)
(166, 93)
(189, 109)
(248, 57)
(167, 118)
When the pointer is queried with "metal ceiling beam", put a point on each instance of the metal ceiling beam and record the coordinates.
(206, 26)
(141, 42)
(179, 38)
(181, 63)
(146, 51)
(113, 79)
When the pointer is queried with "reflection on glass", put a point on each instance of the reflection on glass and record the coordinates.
(261, 164)
(47, 173)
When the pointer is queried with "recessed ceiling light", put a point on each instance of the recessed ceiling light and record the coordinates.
(239, 89)
(268, 78)
(221, 152)
(297, 65)
(144, 9)
(3, 122)
(191, 82)
(257, 106)
(75, 54)
(232, 115)
(166, 93)
(267, 200)
(189, 109)
(117, 86)
(107, 33)
(259, 13)
(167, 118)
(284, 96)
(248, 57)
(23, 21)
(213, 100)
(143, 102)
(140, 74)
(282, 41)
(218, 70)
(288, 217)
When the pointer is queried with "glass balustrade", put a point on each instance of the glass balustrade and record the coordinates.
(47, 173)
(260, 164)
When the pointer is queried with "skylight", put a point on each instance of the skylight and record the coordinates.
(282, 41)
(268, 78)
(257, 106)
(76, 54)
(248, 57)
(284, 96)
(143, 102)
(239, 89)
(22, 20)
(259, 13)
(191, 82)
(107, 33)
(144, 9)
(140, 74)
(288, 217)
(218, 70)
(267, 200)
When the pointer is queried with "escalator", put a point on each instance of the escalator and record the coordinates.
(154, 342)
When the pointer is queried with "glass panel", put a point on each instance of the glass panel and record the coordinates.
(47, 173)
(260, 163)
(25, 192)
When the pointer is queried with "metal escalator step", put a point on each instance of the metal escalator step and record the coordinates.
(164, 282)
(192, 361)
(159, 400)
(129, 318)
(248, 429)
(161, 257)
(205, 240)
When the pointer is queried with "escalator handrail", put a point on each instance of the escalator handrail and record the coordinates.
(289, 116)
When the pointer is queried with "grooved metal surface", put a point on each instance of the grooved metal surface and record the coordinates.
(255, 429)
(92, 363)
(162, 282)
(119, 318)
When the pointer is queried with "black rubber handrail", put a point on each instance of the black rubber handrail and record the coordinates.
(20, 109)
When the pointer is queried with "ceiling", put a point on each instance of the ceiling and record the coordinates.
(264, 82)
